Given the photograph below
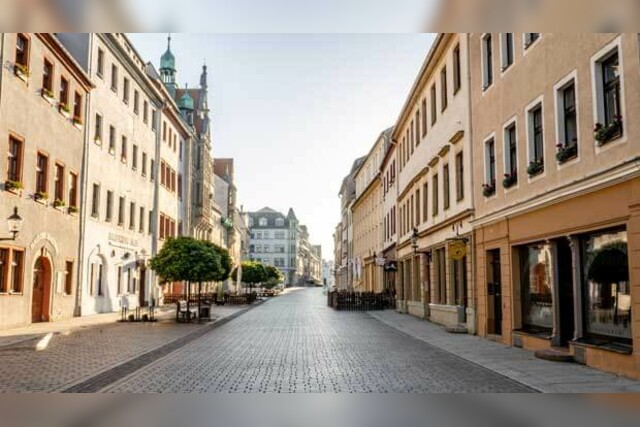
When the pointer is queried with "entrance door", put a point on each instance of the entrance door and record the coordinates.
(565, 292)
(494, 291)
(142, 287)
(41, 292)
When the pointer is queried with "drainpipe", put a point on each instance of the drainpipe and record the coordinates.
(77, 311)
(156, 202)
(2, 36)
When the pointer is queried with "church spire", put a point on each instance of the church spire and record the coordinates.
(203, 77)
(168, 68)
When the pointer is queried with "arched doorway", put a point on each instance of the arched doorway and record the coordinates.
(41, 290)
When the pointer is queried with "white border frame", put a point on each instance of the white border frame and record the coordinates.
(512, 121)
(504, 70)
(572, 77)
(525, 48)
(539, 101)
(484, 89)
(485, 180)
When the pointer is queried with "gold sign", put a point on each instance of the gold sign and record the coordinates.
(457, 249)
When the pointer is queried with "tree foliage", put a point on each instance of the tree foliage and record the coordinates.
(187, 259)
(226, 264)
(252, 273)
(274, 277)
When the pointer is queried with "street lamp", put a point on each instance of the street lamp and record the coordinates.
(15, 225)
(414, 240)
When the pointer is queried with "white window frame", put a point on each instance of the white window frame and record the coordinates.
(558, 88)
(597, 90)
(505, 150)
(262, 222)
(279, 222)
(538, 102)
(483, 63)
(526, 48)
(486, 157)
(503, 52)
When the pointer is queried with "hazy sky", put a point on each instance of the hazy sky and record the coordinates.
(295, 110)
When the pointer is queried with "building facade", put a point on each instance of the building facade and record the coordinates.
(557, 219)
(389, 183)
(43, 100)
(434, 202)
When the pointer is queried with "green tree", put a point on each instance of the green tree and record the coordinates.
(226, 264)
(274, 277)
(253, 273)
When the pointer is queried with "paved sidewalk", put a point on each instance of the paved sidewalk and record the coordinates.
(76, 351)
(517, 364)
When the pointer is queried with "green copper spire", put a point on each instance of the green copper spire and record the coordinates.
(186, 102)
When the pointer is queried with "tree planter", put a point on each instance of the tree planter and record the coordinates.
(535, 168)
(604, 134)
(488, 190)
(510, 180)
(566, 152)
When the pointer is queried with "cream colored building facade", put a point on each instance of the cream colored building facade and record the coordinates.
(558, 217)
(435, 201)
(43, 98)
(367, 219)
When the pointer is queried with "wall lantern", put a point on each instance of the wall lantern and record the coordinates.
(15, 225)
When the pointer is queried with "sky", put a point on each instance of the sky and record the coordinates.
(295, 110)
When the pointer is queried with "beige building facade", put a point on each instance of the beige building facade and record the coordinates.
(557, 193)
(435, 201)
(43, 98)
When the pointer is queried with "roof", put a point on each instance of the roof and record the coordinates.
(271, 216)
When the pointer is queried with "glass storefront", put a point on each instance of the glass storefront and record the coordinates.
(607, 288)
(536, 282)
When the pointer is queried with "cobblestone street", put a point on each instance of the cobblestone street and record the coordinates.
(295, 343)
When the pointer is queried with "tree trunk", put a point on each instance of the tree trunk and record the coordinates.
(188, 298)
(199, 299)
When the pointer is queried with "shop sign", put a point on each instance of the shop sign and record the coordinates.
(391, 266)
(380, 261)
(457, 249)
(121, 241)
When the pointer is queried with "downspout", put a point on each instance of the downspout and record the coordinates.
(156, 202)
(2, 37)
(77, 312)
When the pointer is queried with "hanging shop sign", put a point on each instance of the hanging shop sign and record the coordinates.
(457, 249)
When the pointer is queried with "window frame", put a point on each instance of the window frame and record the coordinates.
(507, 165)
(27, 54)
(560, 110)
(530, 111)
(459, 162)
(100, 63)
(19, 162)
(490, 163)
(42, 183)
(457, 69)
(444, 95)
(487, 60)
(507, 51)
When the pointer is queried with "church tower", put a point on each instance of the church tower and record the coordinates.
(168, 69)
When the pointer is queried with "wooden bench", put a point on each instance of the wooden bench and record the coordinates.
(184, 315)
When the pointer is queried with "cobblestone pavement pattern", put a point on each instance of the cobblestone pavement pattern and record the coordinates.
(83, 353)
(295, 343)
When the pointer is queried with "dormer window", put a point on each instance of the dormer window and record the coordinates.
(280, 222)
(262, 222)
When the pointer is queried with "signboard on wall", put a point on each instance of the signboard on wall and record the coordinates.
(457, 249)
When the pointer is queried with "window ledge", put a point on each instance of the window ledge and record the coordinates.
(613, 347)
(545, 335)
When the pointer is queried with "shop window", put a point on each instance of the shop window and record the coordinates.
(440, 272)
(536, 281)
(607, 291)
(68, 278)
(459, 276)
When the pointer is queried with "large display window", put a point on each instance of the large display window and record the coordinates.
(536, 286)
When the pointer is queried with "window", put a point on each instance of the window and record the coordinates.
(606, 285)
(119, 281)
(144, 164)
(136, 101)
(418, 200)
(121, 212)
(68, 278)
(77, 108)
(64, 93)
(446, 186)
(459, 176)
(112, 140)
(59, 183)
(15, 159)
(536, 278)
(100, 66)
(443, 89)
(150, 222)
(114, 78)
(98, 130)
(507, 50)
(410, 137)
(611, 89)
(22, 51)
(457, 74)
(511, 150)
(440, 273)
(179, 186)
(417, 133)
(536, 135)
(42, 174)
(141, 220)
(125, 90)
(132, 216)
(95, 201)
(109, 212)
(73, 189)
(412, 218)
(47, 78)
(152, 170)
(4, 270)
(434, 188)
(568, 120)
(490, 162)
(530, 38)
(262, 222)
(424, 117)
(134, 159)
(123, 150)
(433, 105)
(153, 120)
(425, 202)
(11, 270)
(487, 61)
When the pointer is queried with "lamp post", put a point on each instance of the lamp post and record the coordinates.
(15, 225)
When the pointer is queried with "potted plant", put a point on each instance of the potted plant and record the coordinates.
(73, 209)
(47, 93)
(510, 179)
(535, 167)
(604, 134)
(21, 70)
(64, 109)
(488, 190)
(566, 152)
(10, 185)
(77, 121)
(40, 195)
(57, 203)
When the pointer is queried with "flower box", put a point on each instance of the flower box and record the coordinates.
(10, 185)
(604, 134)
(566, 152)
(40, 196)
(21, 71)
(77, 122)
(510, 180)
(64, 109)
(73, 209)
(535, 167)
(488, 190)
(47, 94)
(58, 203)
